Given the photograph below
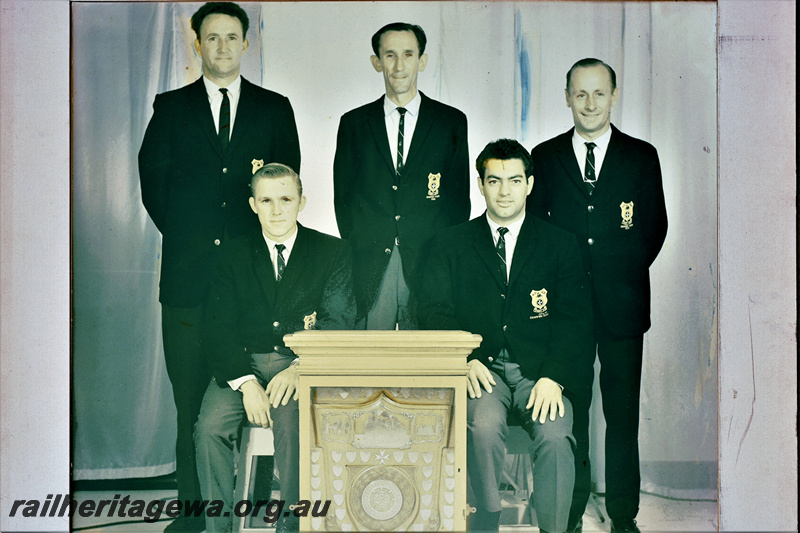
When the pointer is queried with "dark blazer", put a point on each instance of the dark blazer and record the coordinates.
(196, 194)
(464, 289)
(617, 256)
(249, 312)
(374, 208)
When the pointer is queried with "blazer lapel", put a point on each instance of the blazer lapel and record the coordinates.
(293, 273)
(483, 243)
(567, 157)
(377, 124)
(424, 122)
(612, 160)
(526, 243)
(262, 267)
(198, 102)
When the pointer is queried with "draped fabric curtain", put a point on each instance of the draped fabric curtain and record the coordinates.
(504, 65)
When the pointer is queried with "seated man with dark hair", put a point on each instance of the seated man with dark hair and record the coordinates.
(274, 281)
(519, 283)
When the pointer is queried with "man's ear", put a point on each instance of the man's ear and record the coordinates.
(197, 47)
(376, 63)
(530, 183)
(302, 203)
(480, 185)
(253, 205)
(566, 95)
(423, 62)
(245, 46)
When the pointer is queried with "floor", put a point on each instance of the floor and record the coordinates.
(656, 514)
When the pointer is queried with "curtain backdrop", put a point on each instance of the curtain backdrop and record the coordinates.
(504, 65)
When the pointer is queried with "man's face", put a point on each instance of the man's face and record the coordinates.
(590, 97)
(399, 61)
(221, 45)
(505, 188)
(277, 202)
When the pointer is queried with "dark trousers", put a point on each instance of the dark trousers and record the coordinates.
(620, 383)
(188, 373)
(218, 431)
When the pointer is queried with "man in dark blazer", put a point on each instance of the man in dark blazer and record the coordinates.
(195, 164)
(519, 283)
(605, 187)
(393, 191)
(271, 282)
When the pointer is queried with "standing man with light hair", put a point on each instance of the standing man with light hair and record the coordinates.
(400, 174)
(195, 165)
(605, 187)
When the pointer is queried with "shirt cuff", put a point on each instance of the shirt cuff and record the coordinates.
(236, 383)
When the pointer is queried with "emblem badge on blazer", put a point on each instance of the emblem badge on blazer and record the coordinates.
(539, 302)
(627, 215)
(433, 186)
(310, 321)
(257, 163)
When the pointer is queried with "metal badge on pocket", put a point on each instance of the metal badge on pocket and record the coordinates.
(433, 186)
(627, 215)
(539, 302)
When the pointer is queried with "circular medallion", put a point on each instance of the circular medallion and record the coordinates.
(382, 498)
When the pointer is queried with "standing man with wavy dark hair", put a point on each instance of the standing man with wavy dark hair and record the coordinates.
(605, 187)
(195, 164)
(400, 174)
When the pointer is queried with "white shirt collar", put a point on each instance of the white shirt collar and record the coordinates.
(513, 228)
(411, 107)
(212, 89)
(601, 142)
(288, 243)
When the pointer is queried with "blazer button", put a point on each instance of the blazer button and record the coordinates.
(397, 217)
(224, 205)
(590, 241)
(502, 296)
(276, 348)
(394, 187)
(216, 241)
(387, 251)
(275, 324)
(590, 208)
(225, 170)
(491, 359)
(505, 328)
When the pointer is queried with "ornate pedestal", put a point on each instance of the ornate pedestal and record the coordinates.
(383, 428)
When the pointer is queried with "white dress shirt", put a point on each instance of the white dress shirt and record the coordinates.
(392, 116)
(579, 145)
(215, 99)
(511, 238)
(273, 255)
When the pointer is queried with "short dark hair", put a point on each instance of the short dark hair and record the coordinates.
(592, 62)
(504, 149)
(221, 8)
(419, 33)
(275, 170)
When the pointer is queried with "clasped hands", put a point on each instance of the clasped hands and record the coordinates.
(257, 401)
(545, 396)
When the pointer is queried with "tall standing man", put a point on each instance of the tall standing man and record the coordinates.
(519, 283)
(400, 174)
(605, 187)
(195, 164)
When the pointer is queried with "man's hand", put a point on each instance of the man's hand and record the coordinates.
(283, 387)
(256, 403)
(546, 398)
(478, 375)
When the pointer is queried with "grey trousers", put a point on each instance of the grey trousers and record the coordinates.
(391, 306)
(217, 430)
(551, 452)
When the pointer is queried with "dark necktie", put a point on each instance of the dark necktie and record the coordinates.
(590, 176)
(400, 138)
(501, 250)
(224, 120)
(281, 263)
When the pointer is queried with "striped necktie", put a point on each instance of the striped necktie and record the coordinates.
(400, 138)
